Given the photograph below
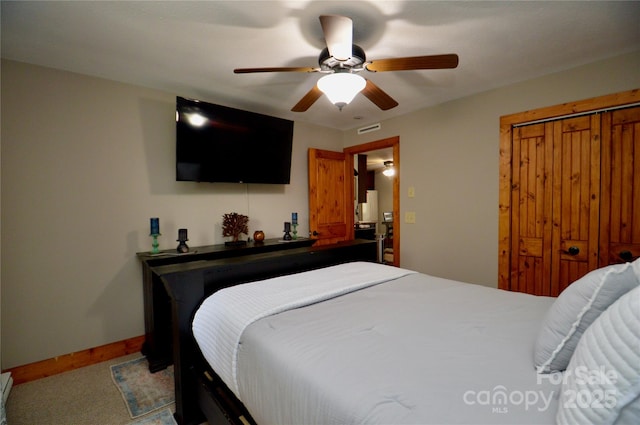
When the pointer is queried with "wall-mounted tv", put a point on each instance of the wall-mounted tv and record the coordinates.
(216, 143)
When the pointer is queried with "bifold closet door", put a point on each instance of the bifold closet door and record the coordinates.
(569, 192)
(555, 197)
(620, 207)
(531, 208)
(576, 200)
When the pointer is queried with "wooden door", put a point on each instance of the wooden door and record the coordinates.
(576, 200)
(328, 203)
(555, 198)
(584, 196)
(531, 202)
(620, 216)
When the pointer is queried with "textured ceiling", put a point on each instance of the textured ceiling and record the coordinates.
(191, 48)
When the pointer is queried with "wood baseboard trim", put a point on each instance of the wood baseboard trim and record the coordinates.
(67, 362)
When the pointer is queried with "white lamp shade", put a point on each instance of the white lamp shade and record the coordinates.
(341, 88)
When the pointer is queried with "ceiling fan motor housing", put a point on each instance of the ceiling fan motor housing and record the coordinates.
(329, 63)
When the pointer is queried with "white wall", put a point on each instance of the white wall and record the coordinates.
(85, 163)
(450, 154)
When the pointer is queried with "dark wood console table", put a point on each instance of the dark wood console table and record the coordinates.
(157, 306)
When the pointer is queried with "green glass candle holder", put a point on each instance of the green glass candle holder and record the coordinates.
(155, 246)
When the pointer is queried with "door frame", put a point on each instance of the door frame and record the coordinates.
(350, 152)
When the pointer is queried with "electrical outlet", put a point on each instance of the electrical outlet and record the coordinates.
(411, 192)
(410, 217)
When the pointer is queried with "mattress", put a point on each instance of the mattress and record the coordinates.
(397, 347)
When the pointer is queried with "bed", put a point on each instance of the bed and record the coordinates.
(368, 343)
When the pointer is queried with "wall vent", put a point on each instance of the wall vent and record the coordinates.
(369, 128)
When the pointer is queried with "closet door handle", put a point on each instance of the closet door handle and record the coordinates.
(573, 250)
(626, 255)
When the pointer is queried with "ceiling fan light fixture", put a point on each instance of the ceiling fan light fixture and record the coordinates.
(341, 87)
(342, 60)
(388, 169)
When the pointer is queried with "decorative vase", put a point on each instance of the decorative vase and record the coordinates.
(258, 236)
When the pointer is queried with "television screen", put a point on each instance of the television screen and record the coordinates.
(220, 144)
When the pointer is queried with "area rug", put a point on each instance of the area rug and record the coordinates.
(142, 391)
(163, 417)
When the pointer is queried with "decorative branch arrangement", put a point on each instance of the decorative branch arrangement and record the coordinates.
(233, 224)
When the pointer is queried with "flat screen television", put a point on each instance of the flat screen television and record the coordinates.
(216, 143)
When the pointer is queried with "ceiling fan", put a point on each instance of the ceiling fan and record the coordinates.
(342, 61)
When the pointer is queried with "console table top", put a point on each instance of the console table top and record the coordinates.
(209, 249)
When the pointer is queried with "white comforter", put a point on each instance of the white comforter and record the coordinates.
(222, 318)
(415, 349)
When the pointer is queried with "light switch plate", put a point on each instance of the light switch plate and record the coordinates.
(410, 217)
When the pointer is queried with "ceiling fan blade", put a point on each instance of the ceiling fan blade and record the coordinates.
(338, 34)
(415, 62)
(378, 96)
(308, 99)
(283, 69)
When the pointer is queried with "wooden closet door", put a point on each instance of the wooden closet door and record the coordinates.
(576, 200)
(585, 194)
(555, 197)
(620, 210)
(531, 203)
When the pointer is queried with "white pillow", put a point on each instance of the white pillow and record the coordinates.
(602, 383)
(575, 309)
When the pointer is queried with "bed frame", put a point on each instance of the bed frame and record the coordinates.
(199, 391)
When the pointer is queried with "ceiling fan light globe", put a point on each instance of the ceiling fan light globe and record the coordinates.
(341, 88)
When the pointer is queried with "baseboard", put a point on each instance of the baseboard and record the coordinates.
(67, 362)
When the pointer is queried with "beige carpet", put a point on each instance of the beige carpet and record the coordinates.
(85, 396)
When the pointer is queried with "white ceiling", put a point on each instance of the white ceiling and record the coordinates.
(191, 48)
